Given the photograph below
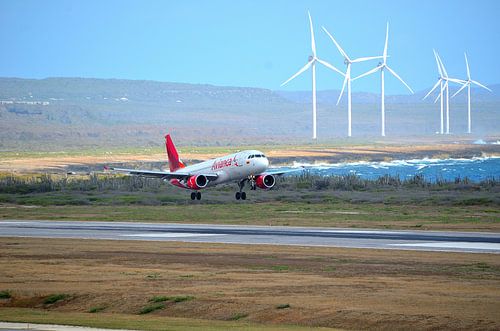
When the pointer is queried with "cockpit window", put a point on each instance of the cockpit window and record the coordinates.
(255, 155)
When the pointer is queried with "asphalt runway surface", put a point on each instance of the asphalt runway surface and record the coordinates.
(475, 242)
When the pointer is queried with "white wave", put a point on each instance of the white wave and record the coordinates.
(416, 163)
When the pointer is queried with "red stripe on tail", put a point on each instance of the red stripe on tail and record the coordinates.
(173, 157)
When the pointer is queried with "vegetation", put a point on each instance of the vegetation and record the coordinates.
(97, 309)
(368, 287)
(152, 307)
(53, 298)
(5, 295)
(238, 316)
(129, 321)
(283, 306)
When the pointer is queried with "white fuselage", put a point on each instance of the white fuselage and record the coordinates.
(232, 167)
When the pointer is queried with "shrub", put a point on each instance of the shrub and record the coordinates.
(150, 308)
(97, 309)
(283, 306)
(54, 298)
(238, 316)
(5, 295)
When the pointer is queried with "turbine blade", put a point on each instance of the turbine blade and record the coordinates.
(304, 68)
(467, 65)
(328, 65)
(386, 41)
(442, 66)
(336, 44)
(368, 58)
(460, 89)
(437, 98)
(313, 43)
(369, 72)
(402, 81)
(343, 87)
(433, 88)
(481, 85)
(455, 80)
(437, 63)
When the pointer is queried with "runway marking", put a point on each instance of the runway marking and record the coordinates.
(171, 235)
(456, 244)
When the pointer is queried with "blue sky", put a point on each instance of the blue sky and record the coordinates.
(246, 43)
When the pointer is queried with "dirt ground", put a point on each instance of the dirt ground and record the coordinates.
(280, 155)
(332, 287)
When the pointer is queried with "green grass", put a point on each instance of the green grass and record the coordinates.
(53, 298)
(368, 214)
(283, 306)
(175, 299)
(158, 299)
(5, 295)
(151, 308)
(238, 316)
(97, 309)
(183, 298)
(123, 321)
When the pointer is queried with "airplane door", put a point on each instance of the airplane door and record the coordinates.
(238, 160)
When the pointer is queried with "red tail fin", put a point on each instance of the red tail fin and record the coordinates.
(173, 157)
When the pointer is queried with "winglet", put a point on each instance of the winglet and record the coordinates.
(173, 157)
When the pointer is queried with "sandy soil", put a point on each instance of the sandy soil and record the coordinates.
(281, 155)
(345, 288)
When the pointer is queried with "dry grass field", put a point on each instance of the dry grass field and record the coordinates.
(281, 154)
(245, 287)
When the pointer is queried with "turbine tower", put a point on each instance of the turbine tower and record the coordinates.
(312, 63)
(347, 78)
(443, 83)
(447, 88)
(382, 66)
(468, 84)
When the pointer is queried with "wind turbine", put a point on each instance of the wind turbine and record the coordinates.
(347, 77)
(442, 82)
(468, 84)
(312, 63)
(382, 66)
(447, 88)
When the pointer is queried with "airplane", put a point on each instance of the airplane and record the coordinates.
(241, 167)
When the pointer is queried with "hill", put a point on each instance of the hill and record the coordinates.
(73, 113)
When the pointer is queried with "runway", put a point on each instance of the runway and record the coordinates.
(475, 242)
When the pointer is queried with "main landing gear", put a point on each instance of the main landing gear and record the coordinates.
(195, 195)
(241, 195)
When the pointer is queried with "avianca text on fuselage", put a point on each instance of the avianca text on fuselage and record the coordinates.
(248, 166)
(223, 163)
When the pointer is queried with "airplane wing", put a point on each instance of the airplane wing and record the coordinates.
(159, 174)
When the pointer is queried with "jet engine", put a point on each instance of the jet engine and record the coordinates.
(265, 181)
(197, 182)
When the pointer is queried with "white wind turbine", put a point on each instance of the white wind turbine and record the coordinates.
(347, 78)
(446, 87)
(468, 84)
(442, 82)
(382, 66)
(312, 63)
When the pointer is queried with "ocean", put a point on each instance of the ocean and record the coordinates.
(475, 169)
